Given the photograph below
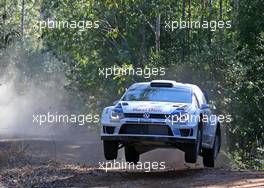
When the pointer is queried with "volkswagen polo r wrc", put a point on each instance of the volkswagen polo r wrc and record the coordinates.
(161, 114)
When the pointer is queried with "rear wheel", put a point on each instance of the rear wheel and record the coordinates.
(209, 155)
(110, 150)
(192, 151)
(131, 154)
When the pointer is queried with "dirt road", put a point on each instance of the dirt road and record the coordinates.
(55, 175)
(72, 161)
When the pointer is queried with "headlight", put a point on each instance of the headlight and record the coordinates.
(116, 116)
(180, 118)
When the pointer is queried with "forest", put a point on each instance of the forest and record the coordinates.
(226, 61)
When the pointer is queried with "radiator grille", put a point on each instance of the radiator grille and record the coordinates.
(146, 129)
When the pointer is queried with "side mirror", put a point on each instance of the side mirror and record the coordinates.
(204, 106)
(212, 106)
(206, 96)
(115, 102)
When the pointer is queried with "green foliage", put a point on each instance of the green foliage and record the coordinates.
(227, 63)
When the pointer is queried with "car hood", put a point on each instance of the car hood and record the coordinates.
(153, 107)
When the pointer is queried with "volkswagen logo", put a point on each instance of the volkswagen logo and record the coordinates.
(146, 115)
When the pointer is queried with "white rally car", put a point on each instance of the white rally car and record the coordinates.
(161, 114)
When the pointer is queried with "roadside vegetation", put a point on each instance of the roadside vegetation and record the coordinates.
(227, 63)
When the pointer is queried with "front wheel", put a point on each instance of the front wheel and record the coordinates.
(192, 151)
(110, 150)
(209, 155)
(131, 154)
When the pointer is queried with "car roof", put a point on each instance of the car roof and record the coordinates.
(175, 84)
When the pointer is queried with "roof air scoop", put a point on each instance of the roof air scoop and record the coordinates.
(162, 83)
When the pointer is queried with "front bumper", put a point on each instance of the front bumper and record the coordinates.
(146, 138)
(151, 141)
(156, 132)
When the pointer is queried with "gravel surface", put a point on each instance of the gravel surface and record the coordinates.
(74, 163)
(62, 175)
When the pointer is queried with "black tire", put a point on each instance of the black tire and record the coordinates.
(209, 155)
(110, 150)
(192, 151)
(131, 154)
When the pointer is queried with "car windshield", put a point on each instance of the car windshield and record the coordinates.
(160, 94)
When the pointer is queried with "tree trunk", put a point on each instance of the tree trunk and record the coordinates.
(211, 7)
(183, 33)
(143, 47)
(183, 9)
(236, 11)
(22, 19)
(190, 19)
(221, 9)
(200, 32)
(221, 30)
(5, 15)
(210, 18)
(157, 33)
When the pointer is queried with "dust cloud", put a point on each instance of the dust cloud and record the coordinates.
(33, 84)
